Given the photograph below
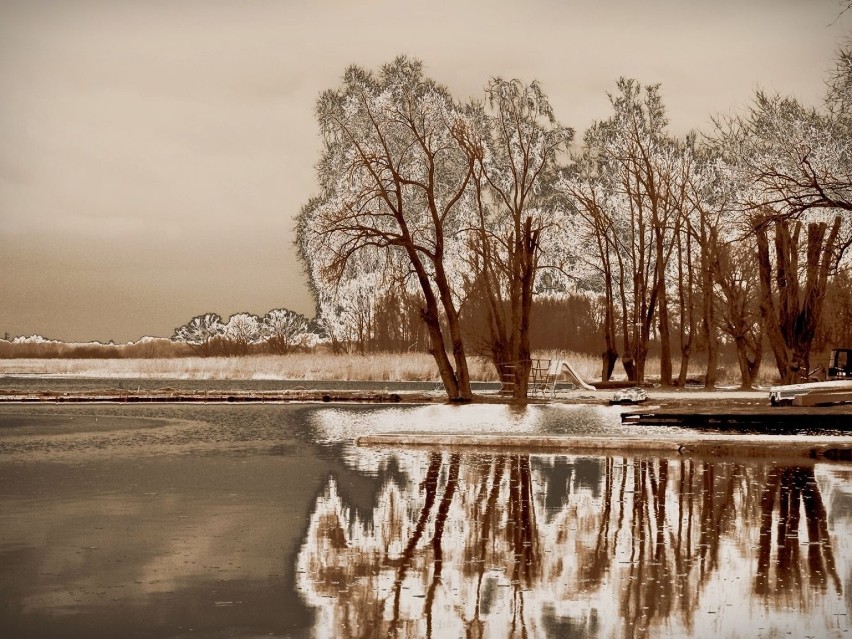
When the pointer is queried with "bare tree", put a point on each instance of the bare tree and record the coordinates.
(735, 274)
(586, 184)
(241, 331)
(796, 165)
(517, 218)
(392, 173)
(792, 308)
(633, 165)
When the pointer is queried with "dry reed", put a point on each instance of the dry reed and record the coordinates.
(374, 367)
(297, 366)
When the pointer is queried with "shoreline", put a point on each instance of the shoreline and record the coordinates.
(722, 409)
(304, 393)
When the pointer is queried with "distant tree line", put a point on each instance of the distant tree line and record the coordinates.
(37, 347)
(479, 220)
(280, 331)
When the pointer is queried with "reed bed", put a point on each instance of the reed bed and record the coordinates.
(298, 366)
(372, 367)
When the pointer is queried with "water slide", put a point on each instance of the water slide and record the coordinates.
(560, 367)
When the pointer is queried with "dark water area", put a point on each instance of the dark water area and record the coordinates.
(35, 383)
(265, 520)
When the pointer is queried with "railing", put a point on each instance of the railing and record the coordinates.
(540, 378)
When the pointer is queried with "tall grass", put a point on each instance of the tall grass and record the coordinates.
(375, 367)
(306, 366)
(588, 367)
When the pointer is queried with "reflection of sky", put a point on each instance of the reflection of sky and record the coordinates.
(133, 540)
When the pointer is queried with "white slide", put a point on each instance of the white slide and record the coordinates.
(560, 366)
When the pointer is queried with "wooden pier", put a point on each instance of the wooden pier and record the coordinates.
(739, 417)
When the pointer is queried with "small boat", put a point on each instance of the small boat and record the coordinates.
(634, 395)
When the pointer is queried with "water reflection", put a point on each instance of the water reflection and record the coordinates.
(782, 571)
(519, 546)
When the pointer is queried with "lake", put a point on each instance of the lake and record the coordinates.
(259, 520)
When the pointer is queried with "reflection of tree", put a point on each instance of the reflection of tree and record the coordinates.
(514, 540)
(671, 546)
(665, 525)
(430, 485)
(789, 491)
(479, 517)
(464, 549)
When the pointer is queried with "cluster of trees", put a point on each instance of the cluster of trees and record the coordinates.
(280, 331)
(735, 235)
(393, 324)
(471, 208)
(424, 195)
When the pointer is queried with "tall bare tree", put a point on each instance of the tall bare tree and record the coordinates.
(797, 163)
(392, 173)
(517, 219)
(634, 162)
(587, 184)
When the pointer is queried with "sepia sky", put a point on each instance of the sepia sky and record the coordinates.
(153, 153)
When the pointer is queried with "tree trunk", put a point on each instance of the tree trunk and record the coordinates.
(749, 366)
(792, 327)
(767, 303)
(708, 319)
(462, 376)
(685, 302)
(608, 359)
(456, 385)
(438, 350)
(527, 268)
(663, 305)
(627, 360)
(610, 355)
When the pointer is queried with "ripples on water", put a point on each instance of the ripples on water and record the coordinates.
(249, 520)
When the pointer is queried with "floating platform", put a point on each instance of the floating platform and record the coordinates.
(738, 417)
(824, 398)
(835, 391)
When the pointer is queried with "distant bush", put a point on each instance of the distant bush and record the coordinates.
(145, 348)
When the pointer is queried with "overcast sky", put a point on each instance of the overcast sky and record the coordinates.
(153, 153)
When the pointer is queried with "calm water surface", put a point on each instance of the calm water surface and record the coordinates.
(59, 383)
(244, 521)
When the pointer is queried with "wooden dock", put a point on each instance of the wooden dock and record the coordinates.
(824, 398)
(738, 417)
